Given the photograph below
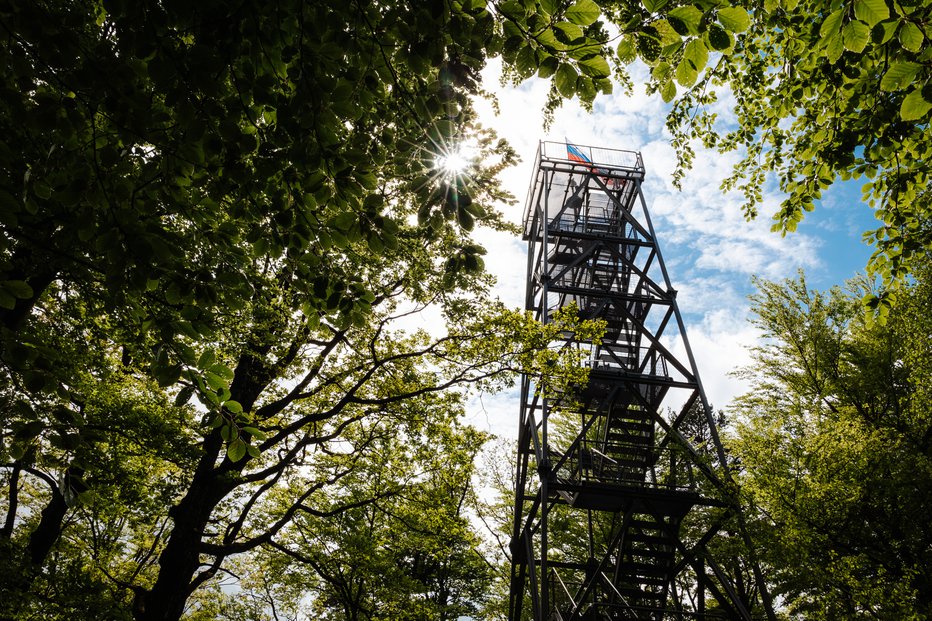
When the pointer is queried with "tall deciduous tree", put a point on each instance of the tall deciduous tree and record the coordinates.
(835, 447)
(239, 203)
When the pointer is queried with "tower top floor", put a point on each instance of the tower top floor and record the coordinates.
(587, 179)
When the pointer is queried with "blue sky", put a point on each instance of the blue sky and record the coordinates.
(710, 250)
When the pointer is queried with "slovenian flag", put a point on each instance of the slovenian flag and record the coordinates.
(575, 154)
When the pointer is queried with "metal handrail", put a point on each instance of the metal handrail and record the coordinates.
(615, 159)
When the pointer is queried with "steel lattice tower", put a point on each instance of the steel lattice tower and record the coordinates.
(609, 477)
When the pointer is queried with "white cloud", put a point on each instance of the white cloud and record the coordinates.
(720, 344)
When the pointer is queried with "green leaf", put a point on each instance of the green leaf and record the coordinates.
(255, 433)
(654, 5)
(184, 395)
(565, 80)
(173, 294)
(42, 190)
(910, 36)
(697, 54)
(465, 219)
(899, 75)
(548, 6)
(719, 38)
(669, 91)
(678, 26)
(627, 50)
(583, 12)
(689, 15)
(525, 62)
(344, 221)
(855, 36)
(914, 106)
(236, 450)
(206, 359)
(871, 11)
(596, 65)
(648, 48)
(883, 32)
(834, 47)
(18, 288)
(214, 381)
(661, 72)
(228, 431)
(669, 37)
(512, 8)
(166, 376)
(547, 67)
(832, 24)
(35, 381)
(734, 18)
(686, 74)
(233, 407)
(17, 450)
(571, 32)
(222, 370)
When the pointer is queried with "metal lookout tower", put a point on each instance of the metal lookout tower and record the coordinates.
(622, 497)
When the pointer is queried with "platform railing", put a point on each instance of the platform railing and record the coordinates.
(618, 159)
(611, 162)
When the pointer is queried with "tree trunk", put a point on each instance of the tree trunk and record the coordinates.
(47, 532)
(41, 541)
(179, 561)
(12, 503)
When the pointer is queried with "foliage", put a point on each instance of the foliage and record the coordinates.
(834, 448)
(404, 548)
(233, 209)
(822, 91)
(83, 479)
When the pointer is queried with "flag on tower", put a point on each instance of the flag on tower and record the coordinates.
(575, 154)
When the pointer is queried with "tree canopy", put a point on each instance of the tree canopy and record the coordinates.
(216, 219)
(833, 444)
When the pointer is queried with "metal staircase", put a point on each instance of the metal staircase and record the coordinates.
(607, 474)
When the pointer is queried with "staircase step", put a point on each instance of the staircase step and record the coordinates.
(635, 593)
(651, 555)
(652, 539)
(639, 437)
(628, 458)
(648, 581)
(628, 446)
(653, 525)
(623, 462)
(628, 425)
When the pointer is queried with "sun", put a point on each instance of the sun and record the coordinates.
(456, 161)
